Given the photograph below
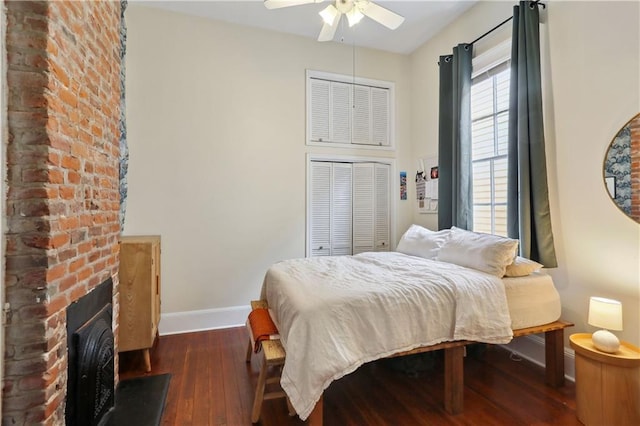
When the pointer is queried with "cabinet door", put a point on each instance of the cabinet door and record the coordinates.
(341, 106)
(349, 208)
(344, 111)
(363, 199)
(341, 209)
(331, 208)
(156, 287)
(320, 208)
(380, 116)
(319, 93)
(382, 228)
(137, 278)
(362, 115)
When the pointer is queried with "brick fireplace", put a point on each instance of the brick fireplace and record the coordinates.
(62, 222)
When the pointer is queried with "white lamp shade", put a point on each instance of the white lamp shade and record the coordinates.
(605, 313)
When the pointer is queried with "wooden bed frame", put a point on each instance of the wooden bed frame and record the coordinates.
(454, 365)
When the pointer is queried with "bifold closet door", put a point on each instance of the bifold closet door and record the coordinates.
(363, 207)
(331, 208)
(350, 208)
(371, 206)
(382, 207)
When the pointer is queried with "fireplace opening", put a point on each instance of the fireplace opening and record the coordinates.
(90, 371)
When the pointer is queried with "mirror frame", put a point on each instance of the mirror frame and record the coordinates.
(617, 169)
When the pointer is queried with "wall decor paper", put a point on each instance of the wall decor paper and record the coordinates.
(617, 164)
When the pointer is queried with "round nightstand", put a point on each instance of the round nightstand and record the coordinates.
(607, 385)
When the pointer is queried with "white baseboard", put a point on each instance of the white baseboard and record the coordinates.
(206, 319)
(531, 348)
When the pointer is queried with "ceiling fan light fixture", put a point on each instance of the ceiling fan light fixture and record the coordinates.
(354, 16)
(329, 14)
(355, 10)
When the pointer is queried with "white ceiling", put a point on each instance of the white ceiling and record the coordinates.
(423, 19)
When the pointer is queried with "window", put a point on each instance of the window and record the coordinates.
(489, 131)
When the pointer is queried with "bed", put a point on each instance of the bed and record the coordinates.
(337, 313)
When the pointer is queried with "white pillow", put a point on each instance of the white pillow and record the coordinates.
(422, 242)
(484, 252)
(521, 267)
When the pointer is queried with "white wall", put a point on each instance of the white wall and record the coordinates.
(216, 131)
(591, 73)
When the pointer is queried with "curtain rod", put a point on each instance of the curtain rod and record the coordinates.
(537, 2)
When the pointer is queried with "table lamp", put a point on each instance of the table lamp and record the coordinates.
(606, 314)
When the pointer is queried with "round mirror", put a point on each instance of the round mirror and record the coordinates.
(622, 169)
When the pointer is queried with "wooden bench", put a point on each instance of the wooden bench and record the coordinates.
(273, 359)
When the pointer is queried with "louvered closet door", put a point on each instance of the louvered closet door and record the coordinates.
(362, 115)
(382, 206)
(363, 211)
(320, 208)
(341, 101)
(380, 116)
(320, 111)
(341, 211)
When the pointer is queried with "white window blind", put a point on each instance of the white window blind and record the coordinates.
(489, 131)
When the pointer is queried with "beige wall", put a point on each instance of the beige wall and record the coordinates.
(591, 79)
(216, 131)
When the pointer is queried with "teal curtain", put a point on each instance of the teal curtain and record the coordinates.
(455, 197)
(528, 213)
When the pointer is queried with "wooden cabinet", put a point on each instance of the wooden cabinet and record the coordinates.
(607, 385)
(139, 288)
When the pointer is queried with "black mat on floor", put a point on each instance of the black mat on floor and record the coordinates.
(140, 401)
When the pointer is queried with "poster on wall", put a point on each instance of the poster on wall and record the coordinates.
(421, 188)
(403, 185)
(427, 185)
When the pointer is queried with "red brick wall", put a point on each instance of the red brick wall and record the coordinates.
(634, 126)
(62, 197)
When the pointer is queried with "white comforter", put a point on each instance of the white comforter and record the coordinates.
(336, 313)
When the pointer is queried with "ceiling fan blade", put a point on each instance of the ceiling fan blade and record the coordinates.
(379, 14)
(277, 4)
(329, 30)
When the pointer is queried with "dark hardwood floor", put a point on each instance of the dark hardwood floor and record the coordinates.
(212, 385)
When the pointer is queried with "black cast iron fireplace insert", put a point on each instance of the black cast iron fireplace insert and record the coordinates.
(90, 370)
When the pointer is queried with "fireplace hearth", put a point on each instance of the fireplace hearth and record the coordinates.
(91, 385)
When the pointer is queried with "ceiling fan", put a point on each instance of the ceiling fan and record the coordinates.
(354, 10)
